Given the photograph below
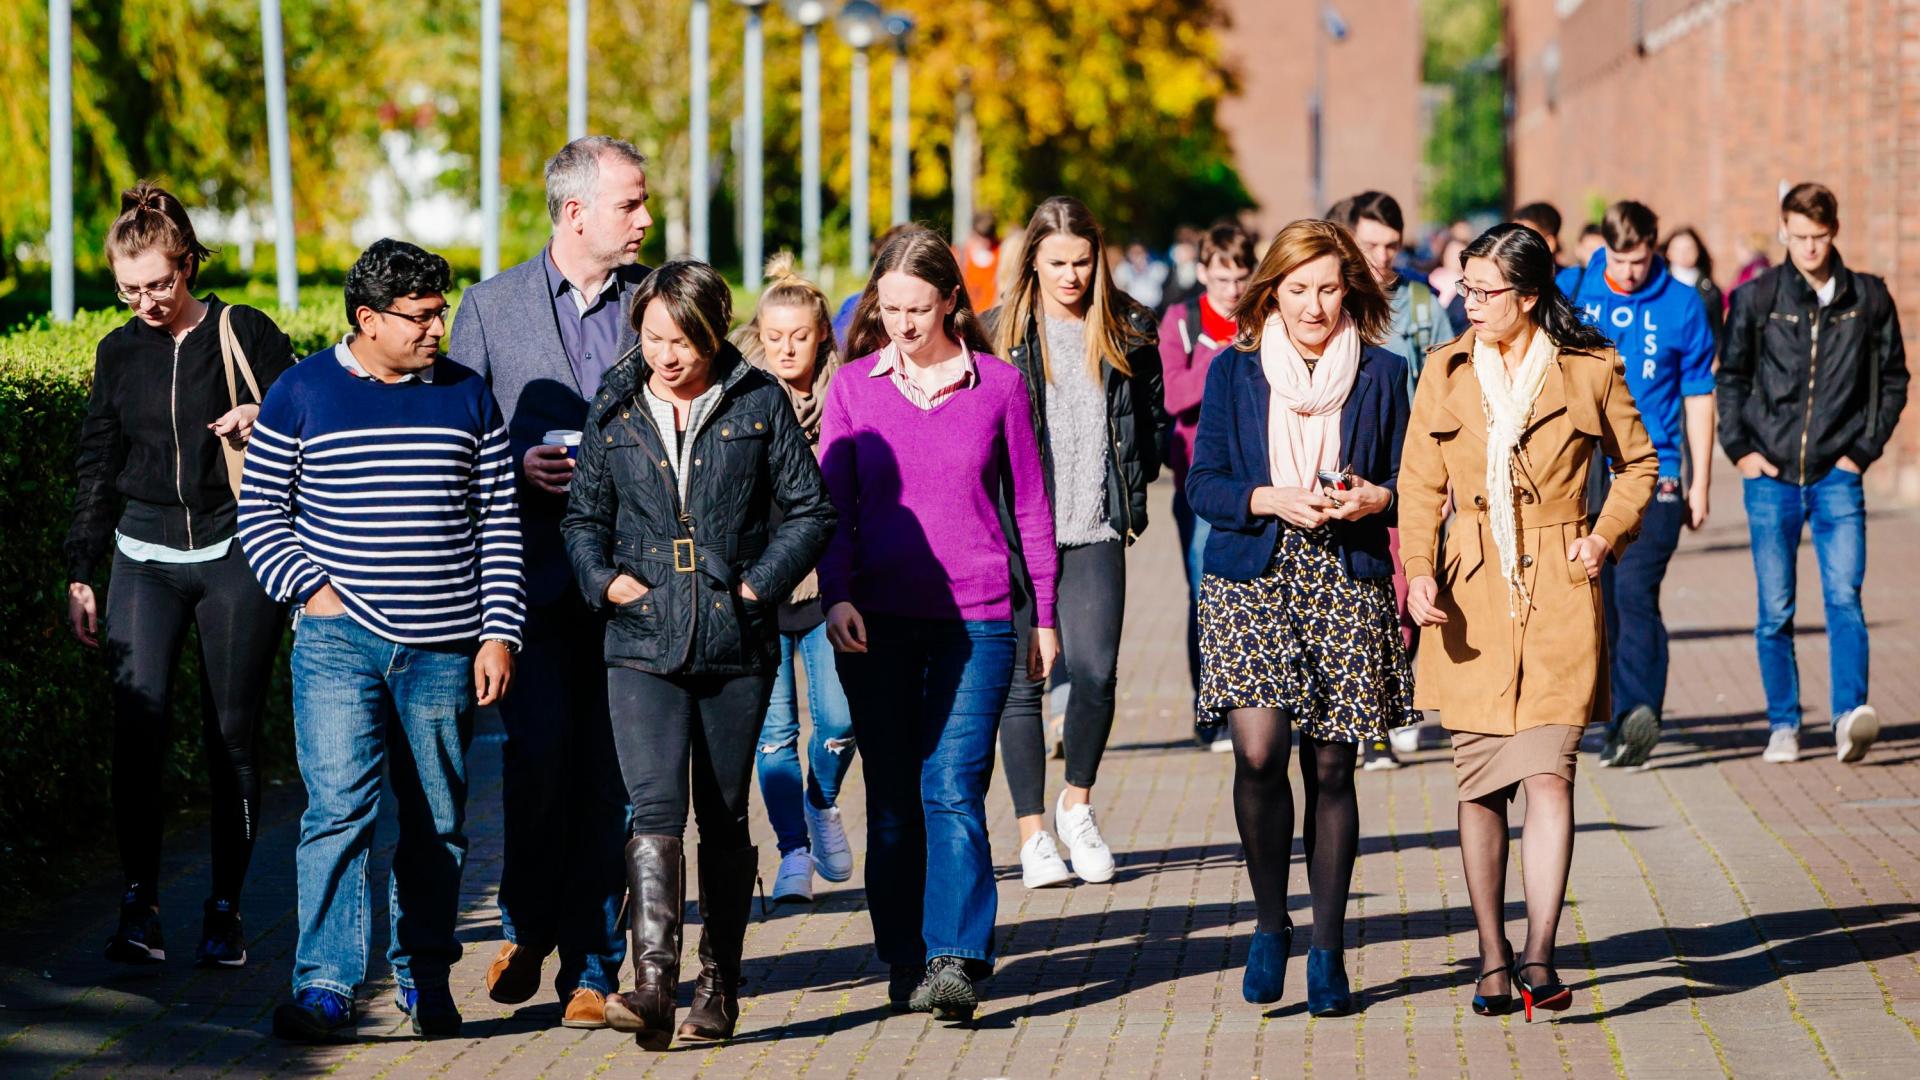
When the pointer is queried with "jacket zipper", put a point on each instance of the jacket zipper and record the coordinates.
(673, 493)
(173, 409)
(1813, 370)
(1113, 466)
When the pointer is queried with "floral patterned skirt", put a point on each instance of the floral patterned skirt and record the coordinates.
(1306, 638)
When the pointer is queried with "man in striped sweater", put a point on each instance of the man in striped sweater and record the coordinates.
(379, 496)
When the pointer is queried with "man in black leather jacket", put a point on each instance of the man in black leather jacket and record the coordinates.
(1813, 376)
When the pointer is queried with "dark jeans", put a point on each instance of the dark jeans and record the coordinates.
(1636, 634)
(669, 727)
(1193, 530)
(149, 608)
(926, 696)
(1092, 599)
(1834, 508)
(563, 878)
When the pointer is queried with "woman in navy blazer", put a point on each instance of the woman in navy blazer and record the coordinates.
(1298, 625)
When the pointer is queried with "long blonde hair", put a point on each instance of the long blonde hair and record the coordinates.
(1109, 335)
(787, 288)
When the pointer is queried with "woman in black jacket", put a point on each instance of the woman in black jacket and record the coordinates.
(152, 481)
(1092, 367)
(1691, 264)
(688, 454)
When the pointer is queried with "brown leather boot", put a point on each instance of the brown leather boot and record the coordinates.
(657, 891)
(726, 903)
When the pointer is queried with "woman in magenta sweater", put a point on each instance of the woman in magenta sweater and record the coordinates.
(922, 431)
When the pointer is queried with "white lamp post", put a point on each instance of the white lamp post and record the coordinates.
(752, 184)
(899, 27)
(809, 14)
(859, 24)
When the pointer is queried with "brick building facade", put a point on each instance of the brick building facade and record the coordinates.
(1703, 108)
(1372, 115)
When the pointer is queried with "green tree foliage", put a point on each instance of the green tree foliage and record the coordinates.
(1466, 149)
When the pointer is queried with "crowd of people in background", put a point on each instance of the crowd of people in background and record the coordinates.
(1447, 475)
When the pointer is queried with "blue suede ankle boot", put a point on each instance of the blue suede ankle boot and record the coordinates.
(1266, 974)
(1327, 992)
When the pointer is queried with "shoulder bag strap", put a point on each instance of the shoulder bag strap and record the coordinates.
(232, 357)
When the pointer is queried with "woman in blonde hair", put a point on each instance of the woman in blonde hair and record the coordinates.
(1093, 375)
(1294, 466)
(791, 337)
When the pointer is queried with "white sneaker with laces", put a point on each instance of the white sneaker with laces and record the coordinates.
(794, 882)
(1086, 849)
(1853, 734)
(828, 838)
(1783, 746)
(1040, 863)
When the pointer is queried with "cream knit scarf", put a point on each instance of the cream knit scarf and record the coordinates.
(1303, 412)
(1509, 405)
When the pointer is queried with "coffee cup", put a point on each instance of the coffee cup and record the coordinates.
(568, 439)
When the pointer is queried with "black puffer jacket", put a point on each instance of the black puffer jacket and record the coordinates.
(1137, 418)
(1805, 385)
(749, 456)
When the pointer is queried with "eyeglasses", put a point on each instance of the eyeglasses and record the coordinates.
(155, 292)
(1481, 296)
(423, 319)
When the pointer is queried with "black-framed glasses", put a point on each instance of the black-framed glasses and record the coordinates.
(423, 319)
(1481, 296)
(155, 292)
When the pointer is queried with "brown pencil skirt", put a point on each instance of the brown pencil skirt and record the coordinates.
(1488, 764)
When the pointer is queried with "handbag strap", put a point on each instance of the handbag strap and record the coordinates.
(233, 356)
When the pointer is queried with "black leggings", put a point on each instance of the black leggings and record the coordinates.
(1263, 808)
(667, 728)
(150, 605)
(1092, 599)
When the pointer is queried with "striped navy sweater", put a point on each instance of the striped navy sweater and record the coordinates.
(399, 495)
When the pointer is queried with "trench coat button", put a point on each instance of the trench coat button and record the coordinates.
(1479, 502)
(1526, 496)
(1526, 561)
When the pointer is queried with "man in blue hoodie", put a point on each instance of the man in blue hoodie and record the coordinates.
(1661, 331)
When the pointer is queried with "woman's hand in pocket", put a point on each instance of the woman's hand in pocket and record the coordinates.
(624, 589)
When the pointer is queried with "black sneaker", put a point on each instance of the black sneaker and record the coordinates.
(138, 940)
(946, 992)
(315, 1015)
(1610, 749)
(222, 944)
(432, 1010)
(902, 980)
(1639, 734)
(1377, 754)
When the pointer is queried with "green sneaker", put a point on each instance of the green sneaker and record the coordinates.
(1639, 734)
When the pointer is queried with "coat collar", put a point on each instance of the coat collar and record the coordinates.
(624, 381)
(532, 307)
(1463, 401)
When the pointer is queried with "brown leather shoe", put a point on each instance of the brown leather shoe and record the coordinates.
(514, 975)
(587, 1008)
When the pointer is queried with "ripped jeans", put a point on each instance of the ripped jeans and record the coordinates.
(829, 749)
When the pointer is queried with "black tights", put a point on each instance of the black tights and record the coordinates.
(1263, 807)
(1546, 851)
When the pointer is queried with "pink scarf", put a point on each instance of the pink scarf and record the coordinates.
(1303, 419)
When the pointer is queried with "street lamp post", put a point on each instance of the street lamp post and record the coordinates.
(698, 21)
(962, 163)
(576, 69)
(752, 184)
(859, 24)
(60, 152)
(1334, 27)
(898, 27)
(809, 14)
(280, 155)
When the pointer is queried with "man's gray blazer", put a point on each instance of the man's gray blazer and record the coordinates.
(505, 330)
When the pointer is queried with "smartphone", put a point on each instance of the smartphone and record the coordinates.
(1333, 480)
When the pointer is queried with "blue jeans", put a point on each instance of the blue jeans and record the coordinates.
(1637, 643)
(1776, 513)
(829, 749)
(361, 703)
(1194, 531)
(563, 804)
(926, 699)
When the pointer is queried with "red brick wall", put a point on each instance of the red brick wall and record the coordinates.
(1372, 116)
(1702, 108)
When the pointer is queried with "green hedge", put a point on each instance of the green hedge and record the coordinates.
(57, 737)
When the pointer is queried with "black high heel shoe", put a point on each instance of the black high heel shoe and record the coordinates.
(1550, 996)
(1492, 1004)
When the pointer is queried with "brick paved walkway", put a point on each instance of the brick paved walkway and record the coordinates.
(1727, 916)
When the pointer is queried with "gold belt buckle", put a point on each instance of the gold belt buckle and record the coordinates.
(683, 556)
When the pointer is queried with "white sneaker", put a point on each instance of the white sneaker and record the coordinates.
(828, 838)
(1405, 740)
(1088, 852)
(1853, 734)
(794, 882)
(1783, 746)
(1040, 864)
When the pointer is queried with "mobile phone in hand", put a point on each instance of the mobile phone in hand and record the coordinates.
(1334, 480)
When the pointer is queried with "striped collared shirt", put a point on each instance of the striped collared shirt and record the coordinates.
(948, 377)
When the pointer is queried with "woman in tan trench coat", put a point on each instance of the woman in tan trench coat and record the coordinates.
(1507, 418)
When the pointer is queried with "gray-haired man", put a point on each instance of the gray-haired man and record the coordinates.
(543, 333)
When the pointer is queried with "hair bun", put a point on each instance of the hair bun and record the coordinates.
(781, 269)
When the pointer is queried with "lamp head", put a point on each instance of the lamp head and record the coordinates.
(859, 23)
(808, 13)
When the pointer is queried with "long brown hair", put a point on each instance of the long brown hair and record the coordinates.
(921, 253)
(152, 219)
(1109, 335)
(1297, 245)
